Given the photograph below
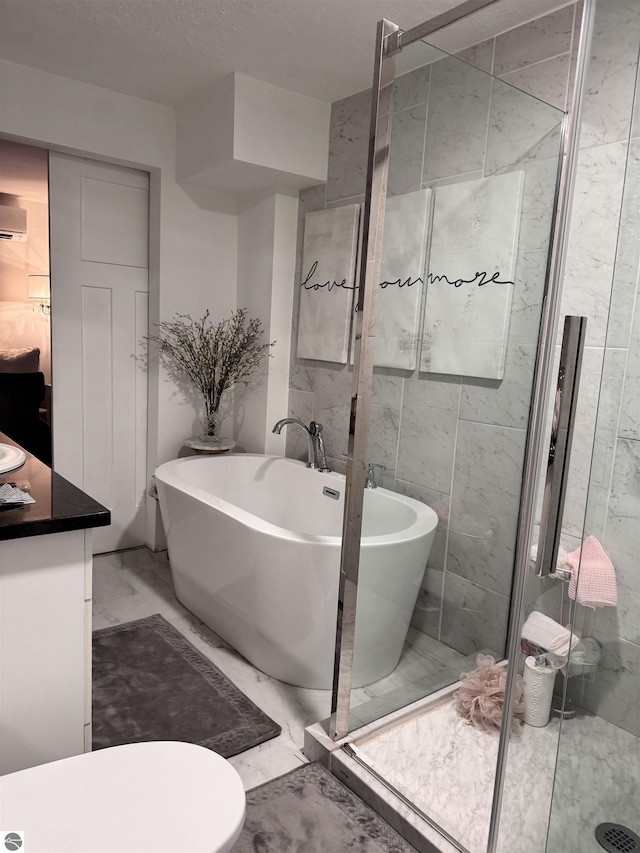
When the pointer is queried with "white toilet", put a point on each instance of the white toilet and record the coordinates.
(150, 797)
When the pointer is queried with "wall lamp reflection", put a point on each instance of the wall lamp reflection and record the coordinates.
(39, 291)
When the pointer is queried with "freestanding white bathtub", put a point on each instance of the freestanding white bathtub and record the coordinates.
(254, 545)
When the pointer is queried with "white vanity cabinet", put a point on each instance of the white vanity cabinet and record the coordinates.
(45, 622)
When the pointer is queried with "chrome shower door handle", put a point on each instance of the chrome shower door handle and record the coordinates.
(564, 413)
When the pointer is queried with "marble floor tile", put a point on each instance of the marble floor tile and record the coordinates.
(266, 762)
(598, 781)
(415, 664)
(110, 583)
(447, 769)
(436, 760)
(132, 584)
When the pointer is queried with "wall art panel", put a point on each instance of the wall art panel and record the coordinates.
(470, 276)
(328, 283)
(406, 227)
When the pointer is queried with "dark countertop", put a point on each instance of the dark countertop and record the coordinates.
(59, 506)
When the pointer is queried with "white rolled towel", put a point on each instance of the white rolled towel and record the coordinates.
(561, 561)
(550, 635)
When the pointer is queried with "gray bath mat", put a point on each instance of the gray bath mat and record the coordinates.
(310, 811)
(150, 683)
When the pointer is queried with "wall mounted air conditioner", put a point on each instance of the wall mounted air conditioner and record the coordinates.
(13, 223)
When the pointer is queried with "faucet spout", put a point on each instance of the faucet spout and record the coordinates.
(311, 452)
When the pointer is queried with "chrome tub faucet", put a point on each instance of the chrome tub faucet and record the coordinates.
(311, 450)
(370, 482)
(316, 455)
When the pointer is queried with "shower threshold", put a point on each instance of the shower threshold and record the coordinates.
(349, 762)
(430, 775)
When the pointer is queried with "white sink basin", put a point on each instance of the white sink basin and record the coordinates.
(10, 457)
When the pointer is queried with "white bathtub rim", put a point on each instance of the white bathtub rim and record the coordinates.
(166, 474)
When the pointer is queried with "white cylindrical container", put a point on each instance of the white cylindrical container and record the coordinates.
(538, 690)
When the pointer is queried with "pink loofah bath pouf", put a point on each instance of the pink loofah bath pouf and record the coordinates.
(480, 697)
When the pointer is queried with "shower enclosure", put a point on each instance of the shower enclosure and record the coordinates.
(467, 265)
(597, 754)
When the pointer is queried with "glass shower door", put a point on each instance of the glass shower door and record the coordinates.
(579, 790)
(445, 362)
(596, 789)
(462, 279)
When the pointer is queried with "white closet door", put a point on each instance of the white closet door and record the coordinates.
(99, 313)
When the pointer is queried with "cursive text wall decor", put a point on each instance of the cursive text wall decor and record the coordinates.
(406, 227)
(471, 274)
(328, 283)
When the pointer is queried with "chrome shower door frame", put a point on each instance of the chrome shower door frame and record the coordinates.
(370, 258)
(390, 40)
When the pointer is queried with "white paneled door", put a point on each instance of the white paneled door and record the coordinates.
(99, 314)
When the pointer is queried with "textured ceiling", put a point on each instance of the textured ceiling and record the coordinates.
(172, 50)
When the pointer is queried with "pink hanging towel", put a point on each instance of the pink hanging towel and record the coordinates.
(597, 584)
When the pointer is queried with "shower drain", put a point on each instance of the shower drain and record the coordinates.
(616, 838)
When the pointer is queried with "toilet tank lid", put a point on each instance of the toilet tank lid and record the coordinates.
(160, 796)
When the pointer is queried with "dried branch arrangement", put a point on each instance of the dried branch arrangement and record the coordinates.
(213, 357)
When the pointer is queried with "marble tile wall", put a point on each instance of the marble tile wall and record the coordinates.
(602, 281)
(613, 498)
(458, 443)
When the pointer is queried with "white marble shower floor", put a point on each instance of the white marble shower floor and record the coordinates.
(446, 768)
(132, 584)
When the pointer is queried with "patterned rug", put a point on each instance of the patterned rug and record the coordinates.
(150, 683)
(309, 811)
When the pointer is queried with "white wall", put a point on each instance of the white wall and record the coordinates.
(281, 130)
(248, 136)
(267, 233)
(193, 236)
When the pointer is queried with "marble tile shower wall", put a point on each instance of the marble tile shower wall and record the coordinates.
(613, 502)
(455, 442)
